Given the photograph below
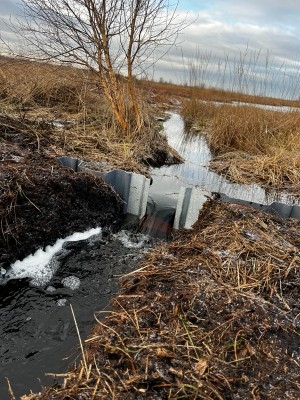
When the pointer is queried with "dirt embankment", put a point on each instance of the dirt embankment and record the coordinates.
(40, 200)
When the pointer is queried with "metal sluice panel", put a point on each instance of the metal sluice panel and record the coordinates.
(284, 210)
(190, 202)
(133, 188)
(70, 162)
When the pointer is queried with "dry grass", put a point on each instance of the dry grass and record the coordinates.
(251, 144)
(26, 85)
(214, 315)
(37, 94)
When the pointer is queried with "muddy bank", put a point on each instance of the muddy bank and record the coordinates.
(41, 201)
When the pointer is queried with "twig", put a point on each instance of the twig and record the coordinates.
(11, 393)
(80, 341)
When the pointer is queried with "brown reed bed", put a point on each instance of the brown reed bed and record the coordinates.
(212, 315)
(251, 144)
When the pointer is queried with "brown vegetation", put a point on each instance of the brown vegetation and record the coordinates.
(165, 90)
(39, 94)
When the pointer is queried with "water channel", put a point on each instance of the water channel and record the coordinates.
(38, 333)
(168, 180)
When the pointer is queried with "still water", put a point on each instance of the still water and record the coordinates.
(37, 330)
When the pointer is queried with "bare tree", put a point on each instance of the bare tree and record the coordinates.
(115, 39)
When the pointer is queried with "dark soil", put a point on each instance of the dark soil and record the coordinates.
(40, 200)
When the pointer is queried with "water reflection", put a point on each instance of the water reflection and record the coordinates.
(195, 172)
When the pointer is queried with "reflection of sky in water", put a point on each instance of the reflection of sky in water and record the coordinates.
(194, 171)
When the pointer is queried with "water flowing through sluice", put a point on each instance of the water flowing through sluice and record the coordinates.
(38, 333)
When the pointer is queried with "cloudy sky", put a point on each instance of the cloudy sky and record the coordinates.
(260, 32)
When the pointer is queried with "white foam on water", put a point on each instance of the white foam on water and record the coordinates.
(71, 282)
(129, 240)
(61, 302)
(39, 266)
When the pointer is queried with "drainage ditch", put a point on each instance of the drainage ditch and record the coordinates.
(37, 328)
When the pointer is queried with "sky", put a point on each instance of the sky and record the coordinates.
(261, 37)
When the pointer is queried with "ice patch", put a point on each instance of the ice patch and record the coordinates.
(71, 282)
(41, 266)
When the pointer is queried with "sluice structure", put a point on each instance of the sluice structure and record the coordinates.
(134, 190)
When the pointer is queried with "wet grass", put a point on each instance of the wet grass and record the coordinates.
(213, 315)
